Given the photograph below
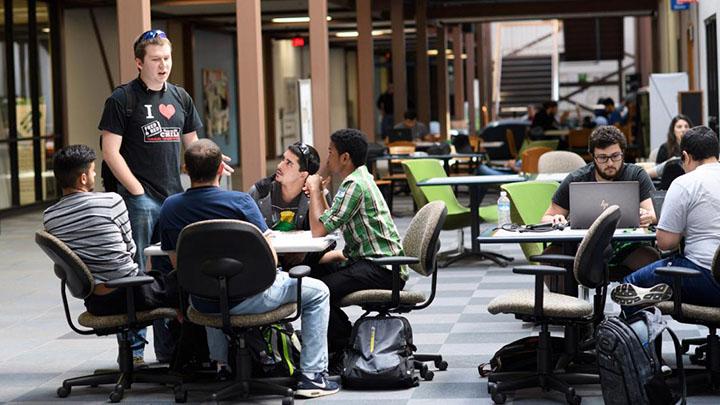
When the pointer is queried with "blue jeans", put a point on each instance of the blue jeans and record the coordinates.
(701, 290)
(315, 315)
(144, 213)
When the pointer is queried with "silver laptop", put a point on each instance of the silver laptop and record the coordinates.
(589, 200)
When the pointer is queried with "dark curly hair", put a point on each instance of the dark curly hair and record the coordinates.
(700, 143)
(605, 136)
(70, 162)
(354, 142)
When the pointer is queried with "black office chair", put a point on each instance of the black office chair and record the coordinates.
(546, 308)
(75, 275)
(227, 260)
(708, 351)
(673, 170)
(421, 244)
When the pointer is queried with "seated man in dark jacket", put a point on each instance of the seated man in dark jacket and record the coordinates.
(282, 202)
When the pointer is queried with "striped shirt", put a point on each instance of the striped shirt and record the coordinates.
(359, 209)
(96, 227)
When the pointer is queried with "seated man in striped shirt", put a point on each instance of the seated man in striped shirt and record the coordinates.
(360, 211)
(96, 227)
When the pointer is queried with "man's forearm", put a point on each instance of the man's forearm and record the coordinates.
(318, 205)
(122, 172)
(189, 138)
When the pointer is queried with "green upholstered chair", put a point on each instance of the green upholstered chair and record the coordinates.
(528, 203)
(458, 216)
(542, 143)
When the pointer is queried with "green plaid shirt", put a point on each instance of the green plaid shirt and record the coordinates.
(360, 210)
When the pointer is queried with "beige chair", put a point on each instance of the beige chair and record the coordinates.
(76, 277)
(545, 308)
(560, 161)
(421, 244)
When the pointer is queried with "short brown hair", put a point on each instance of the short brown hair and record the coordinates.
(141, 44)
(605, 136)
(203, 159)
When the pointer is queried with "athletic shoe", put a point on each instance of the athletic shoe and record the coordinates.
(632, 295)
(317, 387)
(223, 373)
(139, 363)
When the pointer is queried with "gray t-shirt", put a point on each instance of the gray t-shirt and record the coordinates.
(418, 131)
(692, 208)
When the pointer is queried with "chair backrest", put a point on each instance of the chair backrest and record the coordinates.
(579, 138)
(540, 143)
(421, 169)
(68, 266)
(673, 170)
(529, 200)
(560, 161)
(716, 265)
(589, 266)
(422, 238)
(418, 195)
(510, 136)
(530, 159)
(224, 246)
(653, 155)
(401, 147)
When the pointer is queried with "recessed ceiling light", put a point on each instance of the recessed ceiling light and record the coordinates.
(289, 20)
(346, 34)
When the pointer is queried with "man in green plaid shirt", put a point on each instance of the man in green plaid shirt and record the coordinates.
(359, 209)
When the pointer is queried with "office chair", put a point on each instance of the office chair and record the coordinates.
(226, 260)
(75, 275)
(546, 308)
(421, 244)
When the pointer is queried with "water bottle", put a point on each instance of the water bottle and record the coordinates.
(503, 205)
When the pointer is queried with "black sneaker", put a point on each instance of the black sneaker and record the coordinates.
(317, 387)
(631, 295)
(223, 374)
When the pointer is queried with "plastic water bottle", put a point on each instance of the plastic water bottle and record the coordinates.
(503, 205)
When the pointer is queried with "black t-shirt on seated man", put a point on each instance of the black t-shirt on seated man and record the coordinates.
(629, 172)
(152, 136)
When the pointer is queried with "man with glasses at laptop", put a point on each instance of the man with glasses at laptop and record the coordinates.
(691, 211)
(607, 147)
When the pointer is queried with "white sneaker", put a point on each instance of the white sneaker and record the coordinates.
(632, 295)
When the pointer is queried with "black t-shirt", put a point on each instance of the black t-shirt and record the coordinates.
(629, 172)
(152, 137)
(663, 154)
(284, 213)
(544, 121)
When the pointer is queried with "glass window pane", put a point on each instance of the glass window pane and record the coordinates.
(50, 190)
(3, 88)
(45, 63)
(27, 172)
(5, 185)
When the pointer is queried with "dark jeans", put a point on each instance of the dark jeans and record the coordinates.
(341, 281)
(701, 290)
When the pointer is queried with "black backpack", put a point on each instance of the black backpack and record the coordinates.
(630, 370)
(275, 350)
(109, 181)
(520, 355)
(380, 355)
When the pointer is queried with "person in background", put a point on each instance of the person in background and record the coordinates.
(419, 130)
(671, 148)
(385, 105)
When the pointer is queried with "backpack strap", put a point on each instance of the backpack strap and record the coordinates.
(679, 359)
(130, 101)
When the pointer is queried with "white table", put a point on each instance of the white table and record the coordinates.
(283, 242)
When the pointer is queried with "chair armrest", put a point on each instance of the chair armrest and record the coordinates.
(129, 282)
(550, 258)
(540, 270)
(678, 272)
(395, 260)
(299, 271)
(172, 275)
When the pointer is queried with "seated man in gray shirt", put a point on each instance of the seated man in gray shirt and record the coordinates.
(691, 211)
(96, 227)
(418, 129)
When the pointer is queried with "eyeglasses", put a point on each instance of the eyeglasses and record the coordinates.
(615, 157)
(304, 151)
(152, 34)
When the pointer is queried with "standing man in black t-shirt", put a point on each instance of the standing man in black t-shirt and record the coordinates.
(607, 147)
(142, 125)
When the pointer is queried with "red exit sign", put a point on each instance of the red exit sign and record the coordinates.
(298, 42)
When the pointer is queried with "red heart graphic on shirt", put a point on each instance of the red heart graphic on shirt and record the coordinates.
(167, 110)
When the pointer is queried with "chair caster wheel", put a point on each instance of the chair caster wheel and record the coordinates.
(63, 391)
(441, 365)
(696, 359)
(572, 398)
(423, 370)
(498, 398)
(180, 396)
(288, 401)
(429, 375)
(116, 396)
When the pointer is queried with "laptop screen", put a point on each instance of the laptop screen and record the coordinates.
(400, 134)
(589, 200)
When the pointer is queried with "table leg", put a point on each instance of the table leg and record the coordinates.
(474, 219)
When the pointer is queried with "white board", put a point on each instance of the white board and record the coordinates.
(664, 88)
(306, 113)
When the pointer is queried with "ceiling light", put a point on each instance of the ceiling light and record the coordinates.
(346, 34)
(45, 30)
(289, 20)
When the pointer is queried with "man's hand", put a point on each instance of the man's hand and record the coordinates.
(559, 219)
(645, 217)
(293, 258)
(314, 183)
(227, 170)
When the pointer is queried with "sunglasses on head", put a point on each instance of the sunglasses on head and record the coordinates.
(152, 34)
(304, 151)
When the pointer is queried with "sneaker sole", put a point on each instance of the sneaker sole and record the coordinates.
(630, 295)
(315, 392)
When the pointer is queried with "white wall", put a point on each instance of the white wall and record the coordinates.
(287, 69)
(704, 10)
(338, 90)
(86, 82)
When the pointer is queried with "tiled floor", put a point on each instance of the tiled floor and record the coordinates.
(38, 350)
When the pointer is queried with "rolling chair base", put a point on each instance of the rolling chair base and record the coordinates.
(451, 257)
(122, 381)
